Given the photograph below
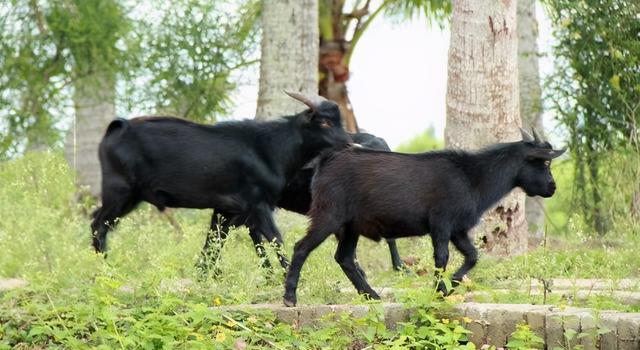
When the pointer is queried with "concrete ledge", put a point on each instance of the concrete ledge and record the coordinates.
(311, 315)
(621, 296)
(7, 284)
(594, 284)
(490, 323)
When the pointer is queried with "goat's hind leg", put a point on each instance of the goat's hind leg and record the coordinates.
(216, 237)
(396, 261)
(117, 201)
(440, 239)
(463, 243)
(345, 256)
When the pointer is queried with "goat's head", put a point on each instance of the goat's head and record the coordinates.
(535, 176)
(321, 123)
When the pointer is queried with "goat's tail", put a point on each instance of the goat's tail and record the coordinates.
(111, 137)
(117, 124)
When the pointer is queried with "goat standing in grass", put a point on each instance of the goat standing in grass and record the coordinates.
(391, 195)
(236, 168)
(296, 196)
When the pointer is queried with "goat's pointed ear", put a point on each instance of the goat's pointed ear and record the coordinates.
(558, 152)
(307, 117)
(547, 154)
(526, 137)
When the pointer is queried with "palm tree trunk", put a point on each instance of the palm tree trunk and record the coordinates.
(483, 104)
(530, 98)
(94, 101)
(289, 58)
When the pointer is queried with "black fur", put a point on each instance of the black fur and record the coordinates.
(389, 195)
(237, 168)
(296, 195)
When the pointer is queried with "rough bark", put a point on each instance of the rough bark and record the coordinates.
(334, 74)
(530, 98)
(289, 58)
(94, 101)
(483, 104)
(635, 204)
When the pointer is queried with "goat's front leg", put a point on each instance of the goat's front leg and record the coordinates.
(440, 239)
(257, 243)
(301, 251)
(266, 227)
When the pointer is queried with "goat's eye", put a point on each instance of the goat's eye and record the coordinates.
(547, 163)
(326, 124)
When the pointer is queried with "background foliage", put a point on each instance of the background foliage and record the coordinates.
(425, 141)
(187, 52)
(595, 93)
(173, 57)
(179, 57)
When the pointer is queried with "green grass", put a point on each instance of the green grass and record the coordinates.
(45, 239)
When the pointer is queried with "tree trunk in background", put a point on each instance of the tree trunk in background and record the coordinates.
(483, 106)
(530, 98)
(289, 58)
(635, 204)
(94, 101)
(334, 74)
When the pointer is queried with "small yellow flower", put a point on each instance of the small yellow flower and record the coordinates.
(467, 319)
(252, 319)
(445, 320)
(454, 298)
(220, 337)
(466, 281)
(231, 323)
(217, 301)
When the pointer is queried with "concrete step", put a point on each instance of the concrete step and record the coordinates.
(491, 324)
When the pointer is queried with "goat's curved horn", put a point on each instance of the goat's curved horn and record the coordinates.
(526, 136)
(312, 102)
(537, 137)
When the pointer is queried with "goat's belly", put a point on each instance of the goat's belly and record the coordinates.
(162, 199)
(402, 233)
(378, 230)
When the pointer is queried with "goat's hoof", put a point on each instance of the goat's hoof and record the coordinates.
(289, 301)
(442, 288)
(371, 295)
(403, 269)
(203, 273)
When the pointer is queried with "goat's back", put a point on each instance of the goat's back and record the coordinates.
(187, 162)
(387, 194)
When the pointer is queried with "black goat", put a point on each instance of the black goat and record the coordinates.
(441, 193)
(296, 196)
(237, 168)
